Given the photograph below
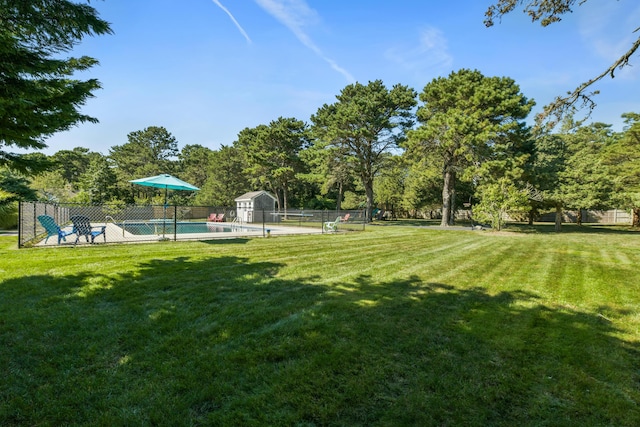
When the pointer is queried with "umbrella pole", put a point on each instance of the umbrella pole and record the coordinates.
(164, 215)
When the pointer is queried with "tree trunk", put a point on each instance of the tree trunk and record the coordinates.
(531, 215)
(284, 201)
(339, 201)
(448, 198)
(558, 226)
(368, 189)
(277, 196)
(635, 217)
(579, 217)
(452, 204)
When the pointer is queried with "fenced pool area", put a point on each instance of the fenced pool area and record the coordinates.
(153, 227)
(48, 224)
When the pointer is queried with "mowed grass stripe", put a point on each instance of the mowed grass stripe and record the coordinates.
(531, 262)
(493, 265)
(389, 254)
(468, 261)
(437, 263)
(345, 251)
(393, 326)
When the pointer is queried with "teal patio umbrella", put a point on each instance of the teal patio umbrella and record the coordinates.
(168, 182)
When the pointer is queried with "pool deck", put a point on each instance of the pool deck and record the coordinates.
(116, 234)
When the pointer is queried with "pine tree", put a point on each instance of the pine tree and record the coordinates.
(39, 94)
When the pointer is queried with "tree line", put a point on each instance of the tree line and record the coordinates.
(465, 142)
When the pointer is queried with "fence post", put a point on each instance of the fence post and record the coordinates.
(263, 230)
(19, 224)
(175, 223)
(35, 217)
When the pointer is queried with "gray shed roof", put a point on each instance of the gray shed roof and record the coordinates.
(246, 197)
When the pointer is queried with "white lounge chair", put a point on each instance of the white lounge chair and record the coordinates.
(331, 225)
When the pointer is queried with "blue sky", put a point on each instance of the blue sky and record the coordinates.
(206, 69)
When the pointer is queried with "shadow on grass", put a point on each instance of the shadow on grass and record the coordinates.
(407, 222)
(572, 228)
(234, 240)
(538, 228)
(229, 342)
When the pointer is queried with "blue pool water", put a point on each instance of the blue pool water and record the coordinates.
(149, 228)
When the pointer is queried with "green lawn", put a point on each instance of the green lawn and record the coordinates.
(388, 327)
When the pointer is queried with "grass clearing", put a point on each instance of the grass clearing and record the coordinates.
(391, 326)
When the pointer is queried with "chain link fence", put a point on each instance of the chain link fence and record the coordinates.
(47, 224)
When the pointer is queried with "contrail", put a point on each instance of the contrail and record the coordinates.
(242, 31)
(293, 14)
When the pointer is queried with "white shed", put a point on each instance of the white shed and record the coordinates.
(251, 206)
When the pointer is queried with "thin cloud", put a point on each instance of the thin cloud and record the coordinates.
(432, 52)
(295, 15)
(609, 31)
(225, 10)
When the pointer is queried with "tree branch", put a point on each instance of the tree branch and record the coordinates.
(559, 107)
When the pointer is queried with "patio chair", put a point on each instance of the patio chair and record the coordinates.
(216, 217)
(82, 226)
(346, 218)
(331, 225)
(54, 229)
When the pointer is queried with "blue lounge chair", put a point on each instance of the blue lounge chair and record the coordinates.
(54, 229)
(82, 226)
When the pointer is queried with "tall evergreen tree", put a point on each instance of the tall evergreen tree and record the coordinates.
(464, 118)
(149, 152)
(623, 158)
(586, 181)
(194, 163)
(39, 94)
(569, 169)
(423, 187)
(272, 154)
(548, 164)
(72, 164)
(327, 170)
(365, 124)
(226, 178)
(390, 184)
(99, 182)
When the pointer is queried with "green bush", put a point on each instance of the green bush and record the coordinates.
(9, 215)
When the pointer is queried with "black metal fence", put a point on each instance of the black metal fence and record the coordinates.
(47, 224)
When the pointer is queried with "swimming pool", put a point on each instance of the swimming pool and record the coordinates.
(156, 227)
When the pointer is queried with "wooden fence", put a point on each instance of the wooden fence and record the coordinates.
(612, 216)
